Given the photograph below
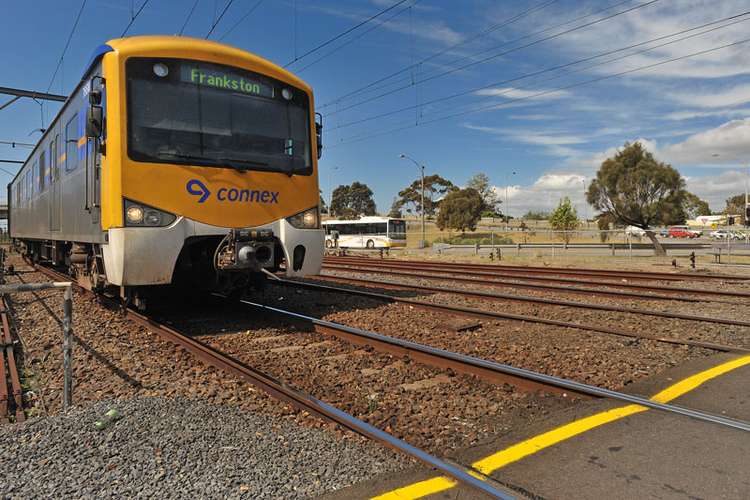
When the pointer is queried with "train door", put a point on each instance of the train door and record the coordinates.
(96, 138)
(55, 204)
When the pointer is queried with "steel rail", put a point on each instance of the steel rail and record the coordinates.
(536, 300)
(507, 283)
(518, 275)
(572, 271)
(413, 348)
(15, 381)
(299, 399)
(484, 314)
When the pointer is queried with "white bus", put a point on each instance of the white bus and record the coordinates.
(367, 232)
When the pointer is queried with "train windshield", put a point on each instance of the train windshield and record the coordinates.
(197, 113)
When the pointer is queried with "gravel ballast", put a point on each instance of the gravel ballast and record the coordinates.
(170, 448)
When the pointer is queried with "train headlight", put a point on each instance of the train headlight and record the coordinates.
(134, 214)
(309, 219)
(139, 215)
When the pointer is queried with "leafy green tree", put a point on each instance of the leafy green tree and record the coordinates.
(434, 188)
(323, 206)
(460, 210)
(350, 202)
(694, 206)
(536, 215)
(736, 206)
(481, 183)
(564, 218)
(637, 190)
(395, 210)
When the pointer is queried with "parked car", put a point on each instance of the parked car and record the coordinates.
(721, 234)
(682, 232)
(635, 231)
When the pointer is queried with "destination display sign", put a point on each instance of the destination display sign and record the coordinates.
(224, 80)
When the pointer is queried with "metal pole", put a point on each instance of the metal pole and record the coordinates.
(423, 242)
(67, 348)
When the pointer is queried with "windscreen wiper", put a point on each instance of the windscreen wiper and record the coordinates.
(164, 154)
(236, 162)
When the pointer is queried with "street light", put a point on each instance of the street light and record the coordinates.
(507, 200)
(421, 167)
(330, 187)
(747, 202)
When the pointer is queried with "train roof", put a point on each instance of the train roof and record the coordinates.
(157, 45)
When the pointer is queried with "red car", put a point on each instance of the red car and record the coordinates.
(682, 232)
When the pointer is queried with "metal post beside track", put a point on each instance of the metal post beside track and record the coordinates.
(67, 327)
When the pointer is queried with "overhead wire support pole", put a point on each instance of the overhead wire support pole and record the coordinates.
(19, 162)
(32, 94)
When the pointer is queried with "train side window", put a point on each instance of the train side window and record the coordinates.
(71, 143)
(28, 184)
(35, 182)
(53, 161)
(42, 171)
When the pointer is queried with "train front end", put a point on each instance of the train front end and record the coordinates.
(211, 166)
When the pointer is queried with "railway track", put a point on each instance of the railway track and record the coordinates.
(574, 272)
(11, 401)
(304, 402)
(484, 314)
(525, 298)
(428, 355)
(484, 368)
(502, 279)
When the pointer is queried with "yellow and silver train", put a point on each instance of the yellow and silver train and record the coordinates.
(175, 161)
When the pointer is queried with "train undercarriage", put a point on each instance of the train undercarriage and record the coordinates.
(230, 265)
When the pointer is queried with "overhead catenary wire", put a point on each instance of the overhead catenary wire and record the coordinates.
(190, 15)
(475, 36)
(355, 38)
(735, 19)
(218, 19)
(133, 17)
(495, 56)
(507, 103)
(241, 20)
(344, 33)
(15, 144)
(67, 44)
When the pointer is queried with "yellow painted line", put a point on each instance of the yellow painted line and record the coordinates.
(532, 445)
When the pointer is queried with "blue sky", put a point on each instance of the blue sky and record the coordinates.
(685, 112)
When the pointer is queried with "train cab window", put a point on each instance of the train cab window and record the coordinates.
(42, 171)
(198, 113)
(71, 144)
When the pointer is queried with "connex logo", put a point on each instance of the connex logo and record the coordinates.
(197, 188)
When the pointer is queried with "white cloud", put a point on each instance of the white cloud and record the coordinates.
(545, 193)
(661, 19)
(715, 189)
(731, 141)
(691, 114)
(516, 93)
(715, 98)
